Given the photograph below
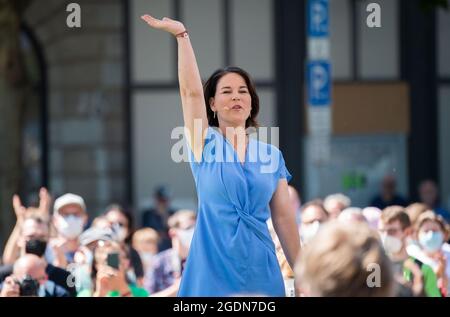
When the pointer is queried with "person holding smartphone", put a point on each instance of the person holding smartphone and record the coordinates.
(109, 268)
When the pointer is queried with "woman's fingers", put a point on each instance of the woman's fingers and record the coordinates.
(18, 208)
(152, 21)
(165, 24)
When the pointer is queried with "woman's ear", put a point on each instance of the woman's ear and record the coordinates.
(211, 104)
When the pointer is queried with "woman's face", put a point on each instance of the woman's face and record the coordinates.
(431, 236)
(430, 226)
(232, 101)
(118, 218)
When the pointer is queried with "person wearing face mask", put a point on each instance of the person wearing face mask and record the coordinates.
(145, 242)
(69, 220)
(313, 216)
(12, 250)
(29, 278)
(33, 238)
(121, 222)
(168, 265)
(395, 229)
(430, 248)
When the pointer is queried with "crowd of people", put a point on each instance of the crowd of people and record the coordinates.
(390, 248)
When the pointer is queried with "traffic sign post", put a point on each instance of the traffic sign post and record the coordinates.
(318, 79)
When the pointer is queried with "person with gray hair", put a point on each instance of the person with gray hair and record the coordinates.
(336, 203)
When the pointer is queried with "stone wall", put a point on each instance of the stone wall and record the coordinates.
(85, 98)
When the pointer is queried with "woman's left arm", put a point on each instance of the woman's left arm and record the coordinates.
(283, 219)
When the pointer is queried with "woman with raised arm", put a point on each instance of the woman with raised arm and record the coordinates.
(231, 252)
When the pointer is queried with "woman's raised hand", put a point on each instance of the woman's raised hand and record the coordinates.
(166, 24)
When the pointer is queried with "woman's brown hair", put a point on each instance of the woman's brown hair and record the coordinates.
(209, 91)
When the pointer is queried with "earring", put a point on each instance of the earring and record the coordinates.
(214, 114)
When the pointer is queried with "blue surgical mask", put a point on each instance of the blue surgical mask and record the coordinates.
(431, 240)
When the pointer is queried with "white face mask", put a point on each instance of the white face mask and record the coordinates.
(185, 237)
(146, 257)
(392, 245)
(308, 231)
(70, 226)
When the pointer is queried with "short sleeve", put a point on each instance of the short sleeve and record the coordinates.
(211, 134)
(283, 172)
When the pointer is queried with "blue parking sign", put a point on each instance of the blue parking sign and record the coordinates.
(319, 83)
(318, 18)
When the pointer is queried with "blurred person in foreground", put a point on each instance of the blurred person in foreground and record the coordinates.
(395, 230)
(168, 265)
(334, 204)
(340, 261)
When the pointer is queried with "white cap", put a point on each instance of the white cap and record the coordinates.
(68, 199)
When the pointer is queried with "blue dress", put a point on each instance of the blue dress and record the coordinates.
(232, 252)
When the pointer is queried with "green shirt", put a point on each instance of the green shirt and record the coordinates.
(135, 292)
(429, 279)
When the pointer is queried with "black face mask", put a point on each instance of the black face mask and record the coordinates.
(36, 247)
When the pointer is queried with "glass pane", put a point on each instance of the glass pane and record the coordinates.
(378, 51)
(340, 35)
(443, 43)
(152, 51)
(444, 149)
(252, 38)
(204, 19)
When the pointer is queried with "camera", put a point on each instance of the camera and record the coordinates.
(28, 286)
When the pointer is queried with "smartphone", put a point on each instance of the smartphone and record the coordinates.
(113, 260)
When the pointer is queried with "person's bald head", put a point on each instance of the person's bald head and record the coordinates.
(32, 265)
